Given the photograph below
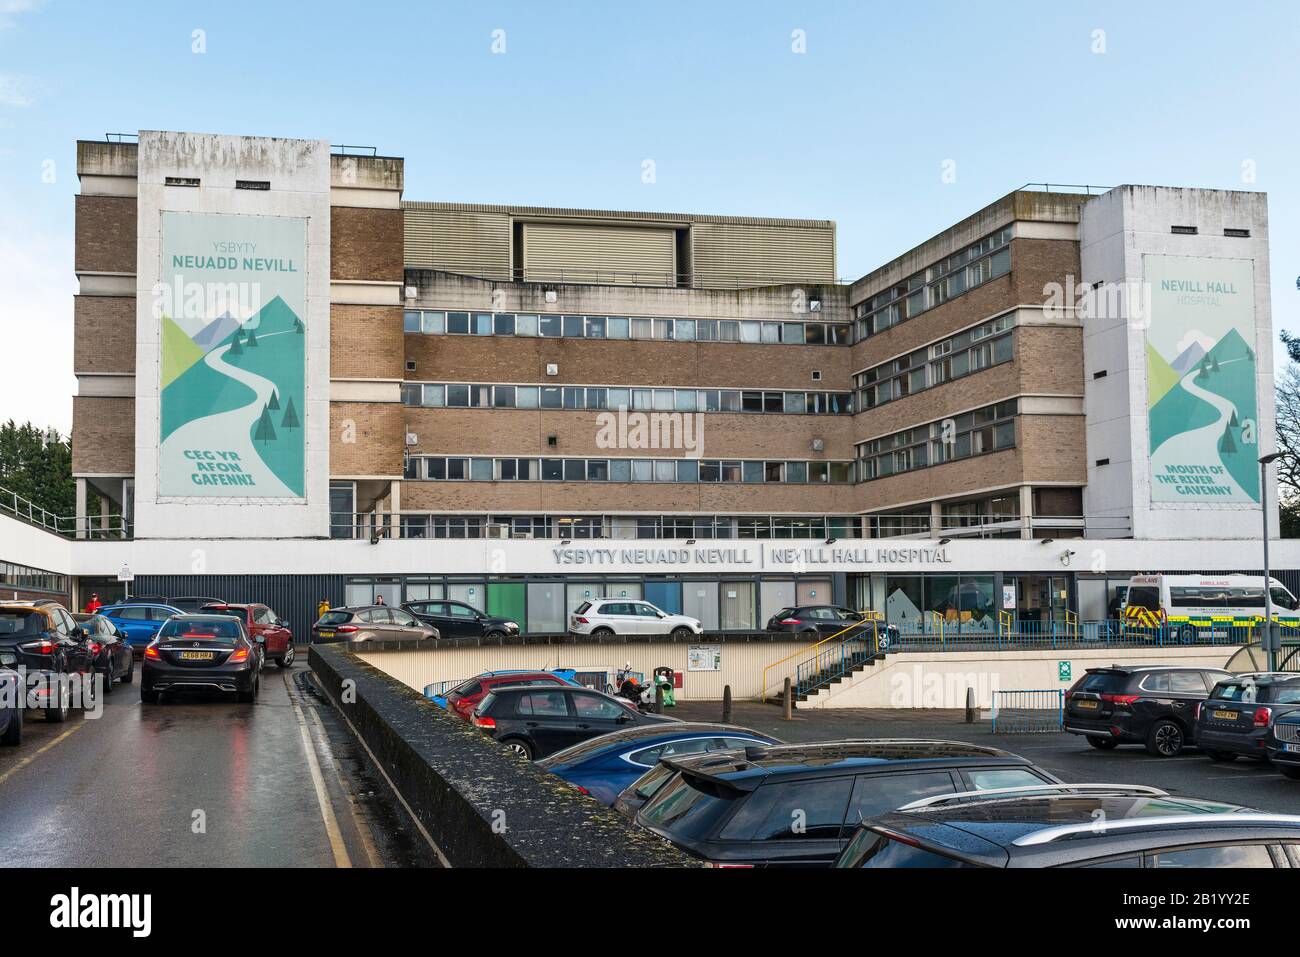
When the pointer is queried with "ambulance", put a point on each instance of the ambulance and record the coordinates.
(1192, 607)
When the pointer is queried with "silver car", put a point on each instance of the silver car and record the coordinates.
(627, 616)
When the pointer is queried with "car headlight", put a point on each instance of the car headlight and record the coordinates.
(512, 626)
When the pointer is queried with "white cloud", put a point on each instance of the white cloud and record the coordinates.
(1193, 335)
(16, 91)
(10, 9)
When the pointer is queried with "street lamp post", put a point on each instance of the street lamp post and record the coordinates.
(1272, 638)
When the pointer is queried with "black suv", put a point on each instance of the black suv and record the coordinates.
(1237, 717)
(1081, 826)
(797, 805)
(1151, 705)
(455, 619)
(1283, 745)
(535, 721)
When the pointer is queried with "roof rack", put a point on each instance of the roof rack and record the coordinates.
(1048, 835)
(993, 794)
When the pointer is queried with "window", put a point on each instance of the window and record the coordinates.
(593, 707)
(649, 757)
(875, 794)
(773, 811)
(1240, 855)
(458, 323)
(543, 704)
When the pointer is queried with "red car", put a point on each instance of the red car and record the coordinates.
(261, 622)
(464, 698)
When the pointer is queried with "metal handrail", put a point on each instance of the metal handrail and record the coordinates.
(66, 526)
(871, 616)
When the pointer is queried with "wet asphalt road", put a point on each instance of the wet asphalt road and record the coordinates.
(1249, 783)
(204, 782)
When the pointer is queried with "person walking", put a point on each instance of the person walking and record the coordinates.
(94, 604)
(323, 607)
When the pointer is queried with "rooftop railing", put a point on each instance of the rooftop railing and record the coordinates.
(66, 526)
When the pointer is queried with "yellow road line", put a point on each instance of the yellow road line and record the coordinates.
(39, 751)
(339, 849)
(363, 831)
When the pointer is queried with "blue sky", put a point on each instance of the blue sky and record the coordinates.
(856, 129)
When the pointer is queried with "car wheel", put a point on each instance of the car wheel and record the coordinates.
(1103, 744)
(14, 733)
(62, 703)
(602, 632)
(1186, 635)
(495, 636)
(519, 747)
(108, 680)
(148, 696)
(1291, 770)
(130, 672)
(1165, 739)
(286, 659)
(682, 633)
(246, 695)
(1222, 757)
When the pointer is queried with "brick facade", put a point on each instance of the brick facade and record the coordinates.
(105, 234)
(366, 342)
(366, 244)
(103, 436)
(103, 335)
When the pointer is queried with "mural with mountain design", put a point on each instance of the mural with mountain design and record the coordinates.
(233, 357)
(1201, 381)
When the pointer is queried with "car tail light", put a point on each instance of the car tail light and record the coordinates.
(582, 789)
(789, 621)
(42, 647)
(151, 652)
(94, 648)
(482, 721)
(1123, 700)
(1263, 717)
(580, 620)
(241, 654)
(346, 629)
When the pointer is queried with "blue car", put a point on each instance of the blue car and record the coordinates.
(140, 621)
(603, 767)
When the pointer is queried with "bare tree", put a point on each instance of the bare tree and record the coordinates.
(1288, 443)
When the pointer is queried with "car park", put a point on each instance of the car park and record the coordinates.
(11, 707)
(42, 638)
(1237, 718)
(140, 620)
(535, 722)
(108, 647)
(603, 767)
(263, 625)
(465, 697)
(455, 619)
(797, 805)
(1283, 744)
(1151, 705)
(1109, 826)
(204, 652)
(607, 617)
(370, 623)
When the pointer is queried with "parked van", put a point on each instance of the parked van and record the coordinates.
(1192, 606)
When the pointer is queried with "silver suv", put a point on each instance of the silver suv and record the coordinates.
(605, 617)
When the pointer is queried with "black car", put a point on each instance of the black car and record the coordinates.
(536, 721)
(109, 648)
(815, 621)
(201, 653)
(1151, 705)
(1237, 717)
(1283, 745)
(1113, 826)
(797, 805)
(42, 638)
(455, 619)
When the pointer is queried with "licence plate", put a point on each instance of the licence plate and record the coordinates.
(196, 655)
(1089, 705)
(8, 659)
(1291, 748)
(1227, 715)
(327, 634)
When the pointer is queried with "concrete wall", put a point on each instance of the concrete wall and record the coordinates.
(27, 545)
(937, 679)
(1116, 231)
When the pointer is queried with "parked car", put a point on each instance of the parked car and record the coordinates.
(1114, 826)
(464, 698)
(112, 655)
(42, 637)
(139, 619)
(606, 617)
(191, 604)
(634, 797)
(1151, 705)
(1237, 717)
(797, 805)
(455, 619)
(821, 621)
(263, 625)
(12, 698)
(371, 623)
(204, 652)
(1283, 744)
(605, 766)
(535, 722)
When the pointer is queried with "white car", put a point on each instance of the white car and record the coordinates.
(626, 616)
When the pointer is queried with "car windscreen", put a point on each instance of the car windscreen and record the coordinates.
(21, 623)
(784, 613)
(208, 629)
(648, 784)
(1144, 596)
(870, 849)
(335, 617)
(1104, 682)
(689, 808)
(582, 609)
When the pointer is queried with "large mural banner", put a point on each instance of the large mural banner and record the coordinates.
(1201, 390)
(231, 303)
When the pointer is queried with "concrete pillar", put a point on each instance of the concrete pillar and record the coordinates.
(936, 520)
(82, 520)
(104, 511)
(1026, 511)
(395, 505)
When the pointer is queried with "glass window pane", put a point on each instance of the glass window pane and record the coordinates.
(525, 325)
(620, 470)
(434, 323)
(458, 323)
(617, 327)
(526, 397)
(549, 326)
(504, 324)
(684, 330)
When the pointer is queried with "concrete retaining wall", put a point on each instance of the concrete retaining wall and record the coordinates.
(480, 805)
